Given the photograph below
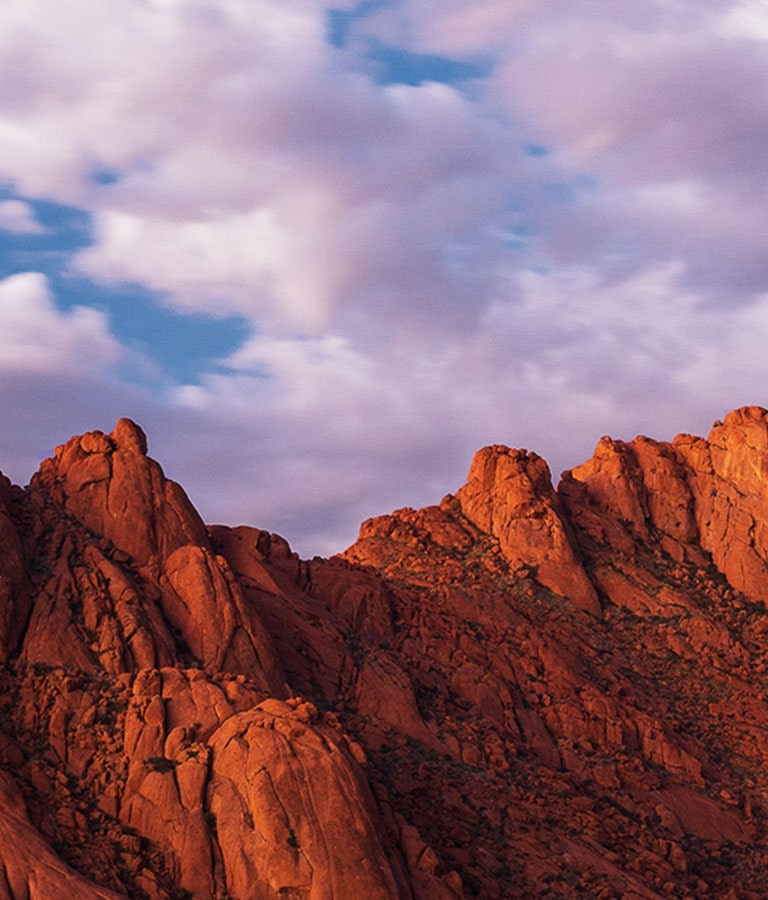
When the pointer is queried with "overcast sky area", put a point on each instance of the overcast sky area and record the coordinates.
(324, 252)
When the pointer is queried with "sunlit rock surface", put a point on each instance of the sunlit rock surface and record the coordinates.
(525, 691)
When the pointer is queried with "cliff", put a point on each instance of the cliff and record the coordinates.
(524, 691)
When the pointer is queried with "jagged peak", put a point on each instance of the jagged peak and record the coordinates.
(126, 436)
(745, 414)
(129, 437)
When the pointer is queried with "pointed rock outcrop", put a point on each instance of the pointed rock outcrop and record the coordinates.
(509, 495)
(133, 570)
(729, 483)
(107, 483)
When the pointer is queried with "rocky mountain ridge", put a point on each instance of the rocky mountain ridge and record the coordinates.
(523, 691)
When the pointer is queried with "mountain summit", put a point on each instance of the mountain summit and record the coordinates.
(520, 692)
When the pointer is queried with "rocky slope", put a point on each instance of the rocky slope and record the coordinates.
(522, 692)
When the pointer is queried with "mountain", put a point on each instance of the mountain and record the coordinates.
(521, 692)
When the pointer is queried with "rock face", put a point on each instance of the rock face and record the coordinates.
(105, 485)
(521, 692)
(509, 495)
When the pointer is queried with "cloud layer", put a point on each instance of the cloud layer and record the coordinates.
(570, 242)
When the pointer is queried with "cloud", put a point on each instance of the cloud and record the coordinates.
(377, 219)
(144, 76)
(341, 434)
(235, 161)
(36, 337)
(255, 169)
(18, 217)
(748, 20)
(651, 102)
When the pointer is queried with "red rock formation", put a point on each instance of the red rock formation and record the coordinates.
(30, 868)
(14, 605)
(139, 560)
(109, 485)
(520, 692)
(303, 823)
(509, 494)
(730, 493)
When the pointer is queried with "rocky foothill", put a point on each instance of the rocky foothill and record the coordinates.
(525, 691)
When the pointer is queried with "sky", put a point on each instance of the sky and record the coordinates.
(323, 252)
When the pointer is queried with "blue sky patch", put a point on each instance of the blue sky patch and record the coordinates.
(66, 230)
(184, 345)
(397, 66)
(340, 21)
(104, 176)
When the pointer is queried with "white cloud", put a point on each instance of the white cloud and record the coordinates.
(746, 20)
(258, 170)
(319, 435)
(36, 337)
(639, 97)
(330, 230)
(18, 217)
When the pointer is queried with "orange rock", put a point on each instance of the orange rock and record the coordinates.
(509, 494)
(625, 490)
(14, 605)
(293, 812)
(430, 715)
(728, 472)
(30, 867)
(109, 485)
(181, 602)
(385, 694)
